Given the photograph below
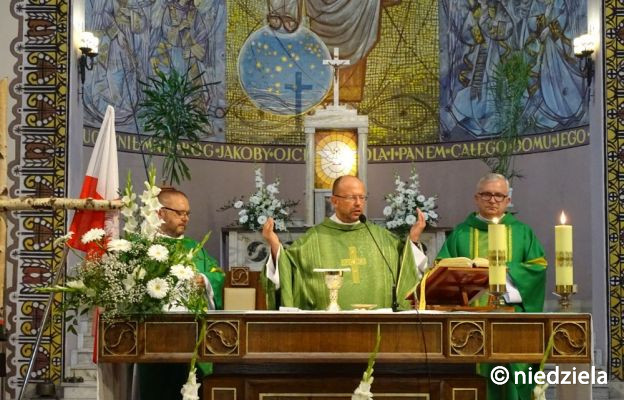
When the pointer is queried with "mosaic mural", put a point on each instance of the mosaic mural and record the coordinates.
(40, 132)
(137, 38)
(614, 162)
(392, 47)
(479, 36)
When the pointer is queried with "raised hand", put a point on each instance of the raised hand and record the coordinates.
(417, 228)
(270, 236)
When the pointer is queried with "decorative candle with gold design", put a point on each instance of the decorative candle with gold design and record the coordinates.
(497, 253)
(564, 274)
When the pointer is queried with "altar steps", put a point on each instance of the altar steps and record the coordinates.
(83, 391)
(82, 365)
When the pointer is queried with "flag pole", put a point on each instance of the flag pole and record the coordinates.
(46, 314)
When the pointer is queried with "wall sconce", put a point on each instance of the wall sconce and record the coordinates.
(583, 49)
(89, 47)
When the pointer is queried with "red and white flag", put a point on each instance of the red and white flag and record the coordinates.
(102, 183)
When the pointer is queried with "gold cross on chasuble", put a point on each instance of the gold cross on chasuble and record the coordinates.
(354, 262)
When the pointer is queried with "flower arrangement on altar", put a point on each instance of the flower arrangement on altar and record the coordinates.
(400, 211)
(141, 273)
(261, 205)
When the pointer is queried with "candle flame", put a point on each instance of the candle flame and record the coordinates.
(562, 218)
(495, 220)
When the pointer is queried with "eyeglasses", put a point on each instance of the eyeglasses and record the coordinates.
(487, 196)
(179, 213)
(352, 197)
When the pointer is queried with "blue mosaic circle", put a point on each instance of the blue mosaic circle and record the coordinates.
(283, 73)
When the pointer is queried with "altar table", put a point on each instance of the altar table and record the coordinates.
(277, 355)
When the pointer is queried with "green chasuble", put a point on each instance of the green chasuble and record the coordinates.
(527, 269)
(207, 265)
(165, 380)
(333, 245)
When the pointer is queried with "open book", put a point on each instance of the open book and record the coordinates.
(477, 262)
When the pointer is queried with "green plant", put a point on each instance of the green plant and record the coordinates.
(172, 112)
(508, 87)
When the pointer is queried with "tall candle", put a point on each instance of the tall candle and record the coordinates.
(564, 274)
(497, 251)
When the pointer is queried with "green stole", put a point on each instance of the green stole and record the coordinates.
(334, 245)
(527, 268)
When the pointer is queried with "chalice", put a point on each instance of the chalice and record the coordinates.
(333, 281)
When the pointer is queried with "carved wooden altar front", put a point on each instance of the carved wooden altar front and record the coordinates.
(273, 354)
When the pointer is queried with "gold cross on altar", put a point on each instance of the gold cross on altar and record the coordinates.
(354, 262)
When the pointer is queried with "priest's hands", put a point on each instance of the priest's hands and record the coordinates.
(271, 237)
(417, 228)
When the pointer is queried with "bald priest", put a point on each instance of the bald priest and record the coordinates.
(384, 269)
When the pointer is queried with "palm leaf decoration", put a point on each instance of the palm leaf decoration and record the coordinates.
(509, 88)
(172, 112)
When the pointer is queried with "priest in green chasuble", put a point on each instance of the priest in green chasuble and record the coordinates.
(526, 265)
(164, 380)
(342, 241)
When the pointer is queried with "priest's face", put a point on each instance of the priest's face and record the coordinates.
(175, 214)
(492, 198)
(349, 199)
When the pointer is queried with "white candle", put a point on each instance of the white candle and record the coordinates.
(497, 250)
(564, 274)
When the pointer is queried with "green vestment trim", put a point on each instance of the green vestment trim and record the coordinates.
(527, 269)
(333, 245)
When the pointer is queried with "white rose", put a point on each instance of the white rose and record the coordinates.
(387, 211)
(238, 204)
(410, 219)
(243, 219)
(420, 198)
(254, 199)
(262, 219)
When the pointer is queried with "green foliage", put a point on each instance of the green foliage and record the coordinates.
(172, 112)
(508, 87)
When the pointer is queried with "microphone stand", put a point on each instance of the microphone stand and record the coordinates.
(395, 303)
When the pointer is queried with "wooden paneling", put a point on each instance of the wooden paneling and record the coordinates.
(407, 337)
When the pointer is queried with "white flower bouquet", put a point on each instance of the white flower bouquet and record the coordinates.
(139, 274)
(261, 205)
(401, 209)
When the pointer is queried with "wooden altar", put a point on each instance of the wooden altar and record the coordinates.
(425, 355)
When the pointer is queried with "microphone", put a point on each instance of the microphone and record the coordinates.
(395, 303)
